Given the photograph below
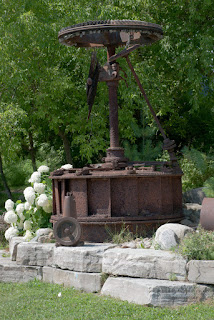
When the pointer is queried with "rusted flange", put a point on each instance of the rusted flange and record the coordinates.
(207, 214)
(67, 231)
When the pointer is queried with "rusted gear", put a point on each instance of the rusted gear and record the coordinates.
(106, 33)
(67, 231)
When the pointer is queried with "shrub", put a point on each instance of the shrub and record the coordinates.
(198, 168)
(198, 245)
(26, 218)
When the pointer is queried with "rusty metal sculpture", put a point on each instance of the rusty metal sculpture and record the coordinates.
(117, 191)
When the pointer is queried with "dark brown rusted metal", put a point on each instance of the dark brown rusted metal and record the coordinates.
(105, 196)
(207, 214)
(110, 33)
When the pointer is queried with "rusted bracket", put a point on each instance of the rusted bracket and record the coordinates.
(109, 72)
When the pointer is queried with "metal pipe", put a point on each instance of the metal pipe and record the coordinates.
(145, 97)
(113, 106)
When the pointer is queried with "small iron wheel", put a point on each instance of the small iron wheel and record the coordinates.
(67, 231)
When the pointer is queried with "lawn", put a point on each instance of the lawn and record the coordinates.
(37, 300)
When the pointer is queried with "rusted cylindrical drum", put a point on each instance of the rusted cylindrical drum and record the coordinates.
(207, 214)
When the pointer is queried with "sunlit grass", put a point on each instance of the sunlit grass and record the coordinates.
(37, 300)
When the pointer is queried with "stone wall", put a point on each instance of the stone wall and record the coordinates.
(143, 276)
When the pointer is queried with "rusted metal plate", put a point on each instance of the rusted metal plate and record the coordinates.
(207, 214)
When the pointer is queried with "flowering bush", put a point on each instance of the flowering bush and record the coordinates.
(26, 218)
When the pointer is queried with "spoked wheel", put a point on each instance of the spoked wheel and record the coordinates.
(67, 231)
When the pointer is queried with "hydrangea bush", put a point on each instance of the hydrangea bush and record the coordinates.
(25, 218)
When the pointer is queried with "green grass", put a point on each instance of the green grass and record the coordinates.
(37, 300)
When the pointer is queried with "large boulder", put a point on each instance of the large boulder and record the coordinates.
(170, 234)
(194, 196)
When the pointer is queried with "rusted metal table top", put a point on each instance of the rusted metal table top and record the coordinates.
(110, 33)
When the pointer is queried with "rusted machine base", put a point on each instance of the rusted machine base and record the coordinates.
(103, 201)
(103, 231)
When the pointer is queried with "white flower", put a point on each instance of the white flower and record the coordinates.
(27, 225)
(42, 200)
(9, 204)
(39, 187)
(59, 294)
(11, 232)
(27, 206)
(20, 224)
(10, 217)
(20, 208)
(28, 235)
(21, 216)
(29, 195)
(35, 177)
(42, 169)
(35, 209)
(28, 190)
(48, 207)
(67, 166)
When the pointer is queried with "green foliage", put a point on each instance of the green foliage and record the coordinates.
(198, 168)
(121, 236)
(209, 187)
(18, 172)
(198, 245)
(22, 300)
(42, 83)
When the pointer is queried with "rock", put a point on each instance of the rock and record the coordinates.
(35, 254)
(189, 223)
(43, 231)
(13, 243)
(11, 272)
(83, 259)
(46, 238)
(89, 282)
(201, 271)
(192, 211)
(144, 263)
(179, 230)
(194, 196)
(167, 239)
(131, 244)
(156, 292)
(3, 225)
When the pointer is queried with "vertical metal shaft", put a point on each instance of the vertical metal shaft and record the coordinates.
(113, 107)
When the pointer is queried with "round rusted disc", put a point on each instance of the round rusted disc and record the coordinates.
(67, 231)
(207, 214)
(110, 33)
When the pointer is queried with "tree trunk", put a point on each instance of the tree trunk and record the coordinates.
(67, 147)
(6, 187)
(32, 151)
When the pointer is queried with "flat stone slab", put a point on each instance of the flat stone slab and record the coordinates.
(156, 292)
(87, 258)
(35, 254)
(144, 263)
(88, 282)
(201, 271)
(13, 243)
(11, 272)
